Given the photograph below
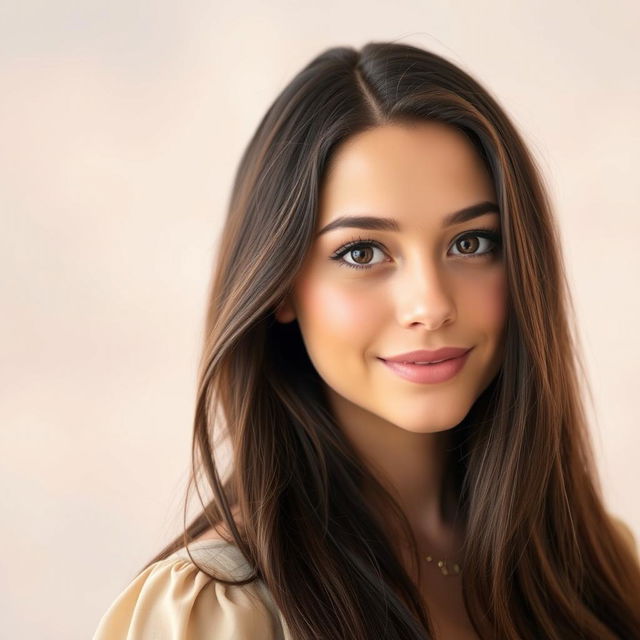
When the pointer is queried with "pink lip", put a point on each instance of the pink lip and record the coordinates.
(429, 373)
(424, 355)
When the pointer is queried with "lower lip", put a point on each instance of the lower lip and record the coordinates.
(429, 373)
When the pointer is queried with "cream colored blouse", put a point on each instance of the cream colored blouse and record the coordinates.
(173, 600)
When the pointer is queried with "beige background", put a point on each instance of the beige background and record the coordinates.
(121, 124)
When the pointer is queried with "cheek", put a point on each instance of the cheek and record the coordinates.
(334, 314)
(486, 302)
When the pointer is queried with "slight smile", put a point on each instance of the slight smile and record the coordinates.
(429, 373)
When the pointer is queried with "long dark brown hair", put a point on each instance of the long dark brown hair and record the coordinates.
(543, 557)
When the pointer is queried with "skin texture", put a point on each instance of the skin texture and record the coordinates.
(420, 292)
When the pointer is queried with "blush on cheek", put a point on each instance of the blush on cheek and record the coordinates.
(485, 303)
(332, 322)
(493, 302)
(336, 313)
(343, 311)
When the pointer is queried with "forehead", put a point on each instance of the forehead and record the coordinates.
(429, 167)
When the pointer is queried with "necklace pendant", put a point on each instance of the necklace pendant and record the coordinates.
(442, 565)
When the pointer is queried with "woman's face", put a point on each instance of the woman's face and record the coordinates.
(422, 286)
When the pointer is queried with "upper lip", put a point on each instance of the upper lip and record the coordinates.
(423, 355)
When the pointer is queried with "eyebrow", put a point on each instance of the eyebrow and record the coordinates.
(390, 224)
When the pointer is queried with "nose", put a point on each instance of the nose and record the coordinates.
(424, 297)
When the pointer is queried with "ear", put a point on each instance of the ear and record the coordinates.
(285, 312)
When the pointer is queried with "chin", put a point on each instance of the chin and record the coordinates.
(429, 423)
(428, 428)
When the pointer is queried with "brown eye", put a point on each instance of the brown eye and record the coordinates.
(477, 244)
(361, 256)
(469, 244)
(358, 254)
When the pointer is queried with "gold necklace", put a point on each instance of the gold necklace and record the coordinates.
(455, 569)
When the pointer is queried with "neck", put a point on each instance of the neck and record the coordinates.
(412, 466)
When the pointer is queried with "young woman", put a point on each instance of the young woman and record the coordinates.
(390, 349)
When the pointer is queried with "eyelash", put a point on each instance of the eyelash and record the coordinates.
(359, 243)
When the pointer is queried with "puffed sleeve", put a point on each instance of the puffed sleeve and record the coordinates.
(173, 600)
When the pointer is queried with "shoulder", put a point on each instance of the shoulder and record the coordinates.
(174, 599)
(625, 531)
